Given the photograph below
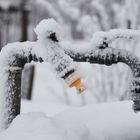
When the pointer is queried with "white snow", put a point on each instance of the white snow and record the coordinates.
(37, 126)
(115, 121)
(51, 51)
(7, 62)
(11, 49)
(46, 27)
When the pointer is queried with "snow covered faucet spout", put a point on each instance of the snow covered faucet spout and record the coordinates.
(48, 33)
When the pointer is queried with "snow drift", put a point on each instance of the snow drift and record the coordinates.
(107, 121)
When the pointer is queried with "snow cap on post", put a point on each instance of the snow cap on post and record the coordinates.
(46, 27)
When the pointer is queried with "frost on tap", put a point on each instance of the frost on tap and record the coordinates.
(48, 33)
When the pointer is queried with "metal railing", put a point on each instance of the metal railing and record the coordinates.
(102, 55)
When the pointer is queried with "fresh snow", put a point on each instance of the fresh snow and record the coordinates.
(37, 126)
(47, 26)
(52, 51)
(10, 50)
(8, 56)
(115, 121)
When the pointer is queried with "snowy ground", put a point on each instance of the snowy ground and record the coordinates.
(60, 121)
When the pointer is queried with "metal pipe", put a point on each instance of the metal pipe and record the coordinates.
(11, 66)
(109, 56)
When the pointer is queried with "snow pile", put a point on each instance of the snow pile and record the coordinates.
(37, 126)
(46, 27)
(107, 121)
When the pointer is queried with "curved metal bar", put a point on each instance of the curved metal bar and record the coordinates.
(11, 96)
(12, 62)
(109, 56)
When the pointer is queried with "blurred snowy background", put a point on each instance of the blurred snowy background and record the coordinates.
(80, 19)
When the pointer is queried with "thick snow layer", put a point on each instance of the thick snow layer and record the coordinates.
(51, 50)
(46, 27)
(107, 121)
(8, 62)
(36, 126)
(11, 50)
